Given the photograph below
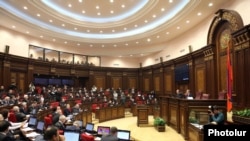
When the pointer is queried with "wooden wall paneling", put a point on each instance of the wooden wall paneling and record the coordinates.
(99, 82)
(247, 77)
(168, 83)
(132, 82)
(240, 78)
(13, 77)
(146, 84)
(200, 82)
(6, 74)
(210, 78)
(21, 82)
(116, 82)
(222, 85)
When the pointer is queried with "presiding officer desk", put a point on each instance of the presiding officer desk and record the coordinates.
(176, 111)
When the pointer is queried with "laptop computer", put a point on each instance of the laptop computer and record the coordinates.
(103, 130)
(32, 122)
(89, 127)
(71, 135)
(40, 127)
(123, 135)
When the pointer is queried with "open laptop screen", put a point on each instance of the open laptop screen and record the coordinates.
(40, 126)
(103, 130)
(89, 126)
(71, 136)
(123, 134)
(32, 121)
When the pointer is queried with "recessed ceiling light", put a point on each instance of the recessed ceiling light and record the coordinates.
(124, 28)
(51, 21)
(120, 56)
(167, 33)
(137, 42)
(148, 39)
(41, 36)
(154, 16)
(162, 9)
(25, 7)
(75, 28)
(170, 1)
(131, 55)
(38, 15)
(80, 1)
(98, 13)
(13, 26)
(101, 31)
(178, 27)
(83, 11)
(123, 6)
(69, 5)
(113, 30)
(210, 4)
(63, 24)
(142, 54)
(54, 40)
(111, 1)
(102, 45)
(91, 45)
(78, 44)
(146, 21)
(199, 14)
(97, 7)
(65, 42)
(158, 36)
(126, 44)
(187, 21)
(136, 25)
(111, 11)
(115, 45)
(27, 32)
(88, 30)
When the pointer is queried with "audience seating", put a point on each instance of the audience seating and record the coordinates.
(47, 121)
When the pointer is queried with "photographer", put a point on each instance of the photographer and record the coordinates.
(216, 117)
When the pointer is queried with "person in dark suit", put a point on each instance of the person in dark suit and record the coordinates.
(20, 117)
(60, 124)
(112, 136)
(67, 110)
(4, 131)
(179, 94)
(52, 134)
(188, 94)
(76, 109)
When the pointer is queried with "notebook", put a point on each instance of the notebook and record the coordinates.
(71, 135)
(89, 127)
(40, 126)
(123, 135)
(103, 130)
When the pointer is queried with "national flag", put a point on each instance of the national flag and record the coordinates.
(229, 80)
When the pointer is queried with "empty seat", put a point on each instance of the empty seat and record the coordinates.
(198, 95)
(205, 96)
(222, 95)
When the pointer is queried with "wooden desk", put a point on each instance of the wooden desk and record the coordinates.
(195, 133)
(176, 111)
(142, 114)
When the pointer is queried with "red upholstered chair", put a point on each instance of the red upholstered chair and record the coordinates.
(221, 95)
(205, 96)
(78, 101)
(198, 95)
(47, 121)
(85, 137)
(93, 107)
(12, 117)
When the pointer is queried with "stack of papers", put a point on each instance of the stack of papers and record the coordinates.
(32, 134)
(27, 129)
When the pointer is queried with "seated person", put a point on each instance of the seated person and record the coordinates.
(5, 134)
(76, 109)
(188, 95)
(20, 117)
(216, 117)
(50, 134)
(61, 123)
(67, 110)
(112, 136)
(179, 94)
(74, 127)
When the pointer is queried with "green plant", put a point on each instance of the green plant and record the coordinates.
(193, 120)
(159, 122)
(242, 113)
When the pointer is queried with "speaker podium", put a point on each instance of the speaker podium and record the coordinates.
(142, 114)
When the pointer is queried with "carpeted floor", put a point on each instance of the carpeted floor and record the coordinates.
(145, 132)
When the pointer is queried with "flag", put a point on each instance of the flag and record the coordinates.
(229, 80)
